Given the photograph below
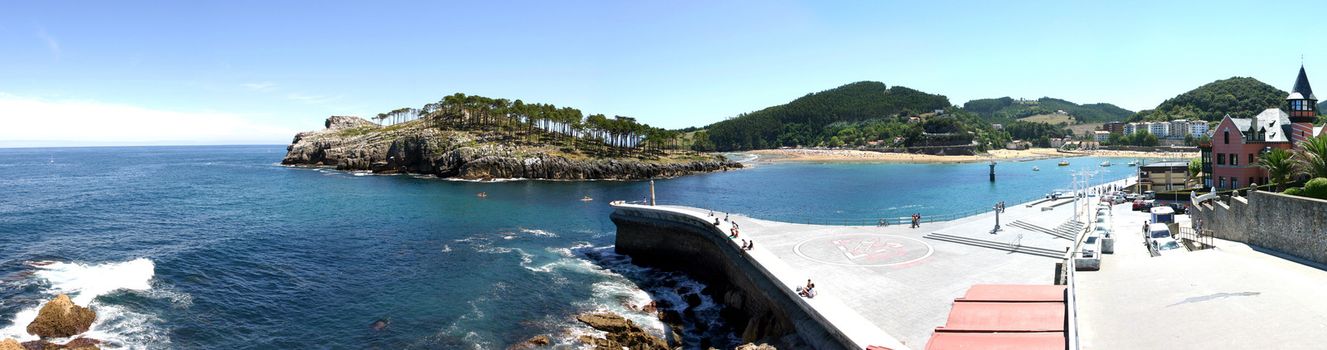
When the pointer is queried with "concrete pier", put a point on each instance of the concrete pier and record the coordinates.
(886, 286)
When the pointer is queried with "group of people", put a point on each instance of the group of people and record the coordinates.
(999, 207)
(916, 220)
(734, 231)
(809, 290)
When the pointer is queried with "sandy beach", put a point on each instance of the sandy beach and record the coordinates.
(827, 155)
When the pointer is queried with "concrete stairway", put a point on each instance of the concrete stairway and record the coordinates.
(1043, 252)
(1068, 230)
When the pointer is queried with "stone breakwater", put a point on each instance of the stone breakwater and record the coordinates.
(760, 306)
(352, 143)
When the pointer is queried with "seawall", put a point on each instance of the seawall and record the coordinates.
(1289, 224)
(773, 312)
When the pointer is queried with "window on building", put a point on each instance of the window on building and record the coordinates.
(1234, 159)
(1221, 182)
(1234, 182)
(1251, 182)
(1220, 159)
(1226, 136)
(1251, 158)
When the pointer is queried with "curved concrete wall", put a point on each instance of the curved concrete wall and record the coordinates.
(686, 243)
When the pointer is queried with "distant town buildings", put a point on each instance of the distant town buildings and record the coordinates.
(1165, 176)
(1113, 127)
(1174, 130)
(1101, 135)
(1231, 157)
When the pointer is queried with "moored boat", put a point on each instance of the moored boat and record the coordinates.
(1064, 163)
(1105, 163)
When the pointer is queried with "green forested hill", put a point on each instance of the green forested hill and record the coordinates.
(1238, 96)
(806, 121)
(1006, 109)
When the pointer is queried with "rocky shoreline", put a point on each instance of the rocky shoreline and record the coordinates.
(352, 143)
(60, 318)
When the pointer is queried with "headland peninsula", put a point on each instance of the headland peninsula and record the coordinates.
(479, 138)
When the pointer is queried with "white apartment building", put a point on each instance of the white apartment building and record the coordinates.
(1160, 129)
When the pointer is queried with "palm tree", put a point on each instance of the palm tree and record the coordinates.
(1312, 157)
(1280, 164)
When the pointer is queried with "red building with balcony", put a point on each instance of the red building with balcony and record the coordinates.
(1231, 159)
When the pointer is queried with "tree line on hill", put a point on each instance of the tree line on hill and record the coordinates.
(855, 114)
(1007, 109)
(1240, 97)
(513, 117)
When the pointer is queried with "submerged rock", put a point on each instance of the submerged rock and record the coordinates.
(60, 318)
(621, 333)
(76, 344)
(533, 342)
(380, 324)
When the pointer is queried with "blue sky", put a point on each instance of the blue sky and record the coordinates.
(257, 71)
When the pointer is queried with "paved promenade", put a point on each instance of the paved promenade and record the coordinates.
(1231, 297)
(891, 286)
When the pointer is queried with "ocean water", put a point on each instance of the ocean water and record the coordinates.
(220, 248)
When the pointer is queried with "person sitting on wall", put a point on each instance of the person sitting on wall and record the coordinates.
(808, 291)
(716, 221)
(751, 244)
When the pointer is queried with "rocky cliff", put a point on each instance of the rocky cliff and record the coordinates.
(352, 143)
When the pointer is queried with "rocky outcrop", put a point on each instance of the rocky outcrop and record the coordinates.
(76, 344)
(750, 346)
(60, 318)
(337, 122)
(534, 342)
(621, 333)
(351, 143)
(10, 344)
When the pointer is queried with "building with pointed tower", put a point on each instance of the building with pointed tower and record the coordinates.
(1303, 109)
(1230, 158)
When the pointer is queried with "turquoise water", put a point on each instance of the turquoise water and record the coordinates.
(219, 248)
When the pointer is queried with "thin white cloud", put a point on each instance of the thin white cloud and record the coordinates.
(51, 43)
(265, 86)
(310, 99)
(34, 121)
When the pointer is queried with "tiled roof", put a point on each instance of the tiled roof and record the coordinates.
(1275, 123)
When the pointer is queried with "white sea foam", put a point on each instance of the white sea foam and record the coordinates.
(86, 282)
(538, 232)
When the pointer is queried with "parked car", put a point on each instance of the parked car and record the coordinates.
(1144, 204)
(1156, 232)
(1180, 208)
(1149, 195)
(1168, 246)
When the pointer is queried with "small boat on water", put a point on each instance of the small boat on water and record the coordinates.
(1035, 168)
(483, 195)
(586, 198)
(1064, 163)
(1105, 163)
(1133, 163)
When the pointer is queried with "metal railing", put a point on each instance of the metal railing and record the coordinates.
(890, 220)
